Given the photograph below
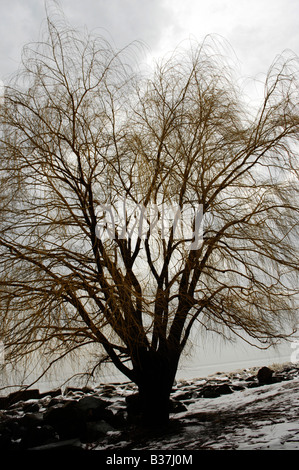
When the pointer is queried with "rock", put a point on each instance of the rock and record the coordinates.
(68, 420)
(39, 435)
(108, 391)
(16, 429)
(3, 403)
(210, 391)
(5, 441)
(119, 419)
(30, 407)
(264, 376)
(96, 430)
(250, 378)
(69, 444)
(22, 395)
(280, 378)
(92, 402)
(252, 384)
(5, 435)
(224, 389)
(237, 388)
(177, 407)
(71, 391)
(52, 393)
(187, 395)
(31, 420)
(87, 389)
(94, 408)
(215, 391)
(55, 401)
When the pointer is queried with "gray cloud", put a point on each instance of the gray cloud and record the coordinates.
(257, 29)
(124, 20)
(121, 21)
(264, 32)
(19, 24)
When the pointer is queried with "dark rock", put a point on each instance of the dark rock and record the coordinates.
(95, 431)
(30, 407)
(22, 395)
(93, 408)
(210, 391)
(68, 420)
(92, 402)
(31, 420)
(98, 414)
(251, 378)
(280, 378)
(108, 391)
(252, 384)
(176, 407)
(5, 441)
(3, 403)
(237, 388)
(215, 391)
(55, 401)
(119, 419)
(87, 389)
(51, 393)
(184, 396)
(69, 444)
(5, 435)
(203, 417)
(264, 376)
(39, 435)
(72, 390)
(224, 389)
(16, 428)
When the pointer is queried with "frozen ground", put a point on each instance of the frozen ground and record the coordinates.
(259, 418)
(243, 415)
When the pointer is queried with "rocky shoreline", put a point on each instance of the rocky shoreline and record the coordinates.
(86, 418)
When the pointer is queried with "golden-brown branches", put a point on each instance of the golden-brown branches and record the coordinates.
(82, 140)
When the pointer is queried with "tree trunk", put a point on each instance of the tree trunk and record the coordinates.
(155, 380)
(154, 404)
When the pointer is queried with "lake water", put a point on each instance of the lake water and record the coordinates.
(225, 357)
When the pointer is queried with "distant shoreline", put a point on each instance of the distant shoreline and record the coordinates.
(182, 375)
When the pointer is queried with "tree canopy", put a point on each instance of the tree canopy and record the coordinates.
(82, 133)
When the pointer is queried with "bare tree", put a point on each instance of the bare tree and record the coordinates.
(80, 133)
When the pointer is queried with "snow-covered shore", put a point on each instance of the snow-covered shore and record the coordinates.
(252, 418)
(232, 411)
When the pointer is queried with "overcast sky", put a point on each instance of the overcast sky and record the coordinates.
(257, 30)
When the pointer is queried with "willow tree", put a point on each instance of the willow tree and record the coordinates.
(81, 137)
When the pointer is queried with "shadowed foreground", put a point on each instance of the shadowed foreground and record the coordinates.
(243, 410)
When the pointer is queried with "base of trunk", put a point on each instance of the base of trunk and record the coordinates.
(149, 408)
(155, 410)
(155, 372)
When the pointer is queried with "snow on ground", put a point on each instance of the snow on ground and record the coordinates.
(261, 418)
(244, 415)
